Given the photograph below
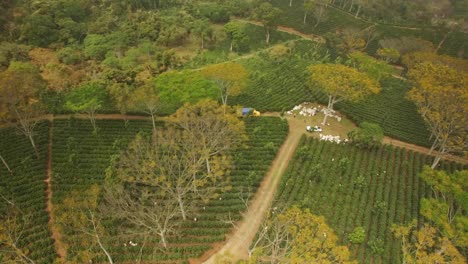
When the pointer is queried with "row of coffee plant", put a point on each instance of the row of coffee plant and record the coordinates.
(24, 232)
(278, 84)
(358, 188)
(82, 158)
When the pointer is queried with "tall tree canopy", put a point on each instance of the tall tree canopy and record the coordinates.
(230, 77)
(376, 69)
(441, 95)
(300, 237)
(447, 208)
(211, 128)
(425, 245)
(341, 82)
(268, 16)
(20, 91)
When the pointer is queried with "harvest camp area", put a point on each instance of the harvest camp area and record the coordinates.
(233, 131)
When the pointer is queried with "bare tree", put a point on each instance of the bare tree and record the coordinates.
(79, 212)
(320, 14)
(93, 229)
(161, 161)
(273, 240)
(26, 122)
(212, 130)
(13, 225)
(145, 99)
(148, 213)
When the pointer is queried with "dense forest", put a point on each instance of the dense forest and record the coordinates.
(123, 45)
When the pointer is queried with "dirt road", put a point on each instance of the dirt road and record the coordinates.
(238, 243)
(59, 247)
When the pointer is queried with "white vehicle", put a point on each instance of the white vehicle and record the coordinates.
(313, 129)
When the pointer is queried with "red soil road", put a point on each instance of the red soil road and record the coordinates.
(59, 247)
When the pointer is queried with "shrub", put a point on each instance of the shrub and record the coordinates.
(358, 235)
(376, 245)
(366, 135)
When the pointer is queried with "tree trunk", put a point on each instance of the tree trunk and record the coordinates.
(305, 17)
(181, 206)
(202, 42)
(358, 10)
(437, 159)
(268, 36)
(162, 235)
(331, 102)
(208, 167)
(351, 6)
(153, 121)
(290, 2)
(6, 164)
(441, 42)
(324, 119)
(230, 48)
(318, 22)
(31, 139)
(92, 119)
(98, 239)
(434, 145)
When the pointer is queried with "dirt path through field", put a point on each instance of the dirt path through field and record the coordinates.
(289, 30)
(59, 247)
(238, 242)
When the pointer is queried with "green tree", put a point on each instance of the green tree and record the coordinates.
(176, 88)
(39, 30)
(447, 207)
(268, 16)
(367, 135)
(340, 82)
(96, 46)
(388, 54)
(201, 29)
(235, 32)
(88, 98)
(231, 78)
(376, 69)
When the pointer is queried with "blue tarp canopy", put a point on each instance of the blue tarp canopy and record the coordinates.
(245, 111)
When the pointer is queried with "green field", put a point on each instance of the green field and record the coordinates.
(81, 158)
(355, 187)
(27, 190)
